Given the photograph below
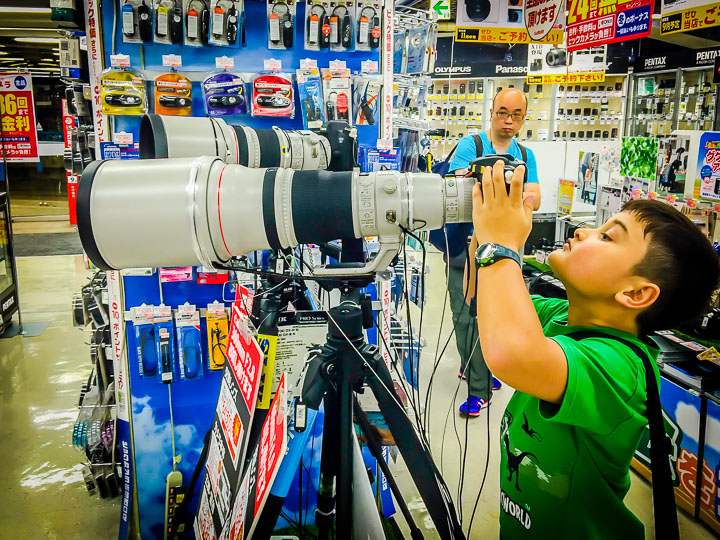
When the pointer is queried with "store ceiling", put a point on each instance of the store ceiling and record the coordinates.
(29, 24)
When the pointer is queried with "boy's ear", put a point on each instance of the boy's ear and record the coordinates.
(639, 295)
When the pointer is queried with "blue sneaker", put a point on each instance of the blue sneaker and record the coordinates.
(497, 385)
(472, 406)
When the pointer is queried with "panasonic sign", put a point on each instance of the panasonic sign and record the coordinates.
(499, 68)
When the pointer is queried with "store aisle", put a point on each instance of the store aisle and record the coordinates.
(43, 493)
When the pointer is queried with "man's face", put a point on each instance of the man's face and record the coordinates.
(507, 105)
(598, 263)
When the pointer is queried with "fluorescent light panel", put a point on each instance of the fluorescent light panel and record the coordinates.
(24, 10)
(36, 40)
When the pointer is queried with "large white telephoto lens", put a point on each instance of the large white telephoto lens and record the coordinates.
(176, 212)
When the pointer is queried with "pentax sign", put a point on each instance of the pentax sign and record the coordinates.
(17, 111)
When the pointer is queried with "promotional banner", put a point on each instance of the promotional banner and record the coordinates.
(684, 15)
(708, 166)
(592, 23)
(486, 21)
(553, 64)
(565, 197)
(72, 180)
(17, 111)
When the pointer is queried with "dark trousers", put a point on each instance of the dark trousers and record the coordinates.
(478, 375)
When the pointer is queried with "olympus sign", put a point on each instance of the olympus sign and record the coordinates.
(510, 69)
(453, 69)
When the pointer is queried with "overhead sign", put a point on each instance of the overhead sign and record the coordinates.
(685, 15)
(673, 60)
(592, 23)
(552, 64)
(17, 111)
(442, 8)
(486, 21)
(540, 16)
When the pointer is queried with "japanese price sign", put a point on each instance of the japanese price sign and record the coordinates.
(684, 15)
(17, 111)
(540, 16)
(72, 180)
(598, 22)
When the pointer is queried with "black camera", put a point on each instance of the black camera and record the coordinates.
(510, 163)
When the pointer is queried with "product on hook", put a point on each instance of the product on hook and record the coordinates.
(198, 21)
(280, 25)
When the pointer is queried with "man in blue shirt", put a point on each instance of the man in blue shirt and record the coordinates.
(507, 116)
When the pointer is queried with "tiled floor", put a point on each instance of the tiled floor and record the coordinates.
(43, 495)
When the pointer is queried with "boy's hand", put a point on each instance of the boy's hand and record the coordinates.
(498, 217)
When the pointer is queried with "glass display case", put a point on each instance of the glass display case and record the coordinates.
(8, 279)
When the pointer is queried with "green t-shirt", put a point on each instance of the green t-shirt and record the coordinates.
(564, 468)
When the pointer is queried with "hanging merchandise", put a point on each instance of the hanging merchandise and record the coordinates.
(430, 50)
(187, 325)
(217, 333)
(273, 95)
(145, 340)
(337, 94)
(227, 23)
(399, 51)
(281, 23)
(173, 95)
(164, 343)
(368, 26)
(416, 44)
(122, 91)
(342, 15)
(168, 21)
(317, 25)
(136, 20)
(197, 23)
(310, 95)
(366, 90)
(224, 94)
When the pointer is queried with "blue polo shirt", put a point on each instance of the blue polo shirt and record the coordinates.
(466, 152)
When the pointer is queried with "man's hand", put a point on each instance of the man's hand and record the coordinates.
(498, 217)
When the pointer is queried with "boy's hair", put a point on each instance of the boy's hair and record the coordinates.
(679, 260)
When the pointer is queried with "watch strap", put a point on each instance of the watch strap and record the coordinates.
(501, 252)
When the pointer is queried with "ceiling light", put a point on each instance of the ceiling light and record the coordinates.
(24, 10)
(44, 69)
(37, 40)
(9, 58)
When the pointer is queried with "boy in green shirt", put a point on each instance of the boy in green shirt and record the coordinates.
(572, 427)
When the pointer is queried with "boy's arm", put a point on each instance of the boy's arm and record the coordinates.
(513, 343)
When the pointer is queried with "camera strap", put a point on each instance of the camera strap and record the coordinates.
(666, 522)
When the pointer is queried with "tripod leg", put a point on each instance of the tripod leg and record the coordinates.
(376, 451)
(343, 523)
(328, 468)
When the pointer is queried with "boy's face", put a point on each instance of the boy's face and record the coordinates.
(598, 263)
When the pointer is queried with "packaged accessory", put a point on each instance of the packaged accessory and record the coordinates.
(143, 319)
(342, 16)
(317, 25)
(366, 90)
(281, 23)
(273, 95)
(368, 26)
(310, 95)
(337, 94)
(416, 47)
(400, 53)
(217, 333)
(224, 93)
(197, 23)
(227, 23)
(168, 21)
(164, 344)
(173, 95)
(122, 91)
(187, 326)
(136, 20)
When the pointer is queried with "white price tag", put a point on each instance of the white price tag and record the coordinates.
(172, 60)
(224, 62)
(119, 60)
(369, 66)
(272, 64)
(336, 65)
(384, 144)
(122, 137)
(308, 63)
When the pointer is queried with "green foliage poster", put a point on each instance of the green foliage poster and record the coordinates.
(638, 157)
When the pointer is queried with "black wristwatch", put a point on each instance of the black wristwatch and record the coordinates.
(489, 253)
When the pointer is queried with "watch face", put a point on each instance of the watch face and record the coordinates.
(487, 251)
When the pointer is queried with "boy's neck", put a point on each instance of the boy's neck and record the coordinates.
(597, 313)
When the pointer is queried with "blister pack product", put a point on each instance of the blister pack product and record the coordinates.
(197, 22)
(227, 23)
(122, 91)
(189, 342)
(416, 47)
(310, 95)
(317, 25)
(217, 335)
(272, 95)
(369, 31)
(342, 25)
(399, 51)
(143, 323)
(366, 92)
(431, 50)
(168, 23)
(136, 20)
(173, 95)
(337, 94)
(224, 93)
(281, 23)
(164, 344)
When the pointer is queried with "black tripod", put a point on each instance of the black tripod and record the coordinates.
(339, 369)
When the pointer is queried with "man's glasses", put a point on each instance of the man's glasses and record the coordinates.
(516, 116)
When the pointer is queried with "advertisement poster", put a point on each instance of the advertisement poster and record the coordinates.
(638, 157)
(684, 15)
(72, 180)
(591, 22)
(588, 170)
(540, 16)
(17, 110)
(565, 197)
(553, 64)
(708, 166)
(489, 21)
(672, 162)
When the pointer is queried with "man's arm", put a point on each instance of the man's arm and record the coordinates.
(512, 339)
